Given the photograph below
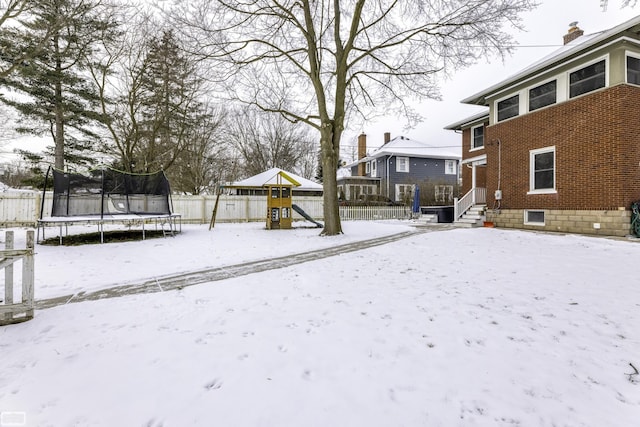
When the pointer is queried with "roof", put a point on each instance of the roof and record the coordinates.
(272, 176)
(403, 146)
(572, 49)
(482, 116)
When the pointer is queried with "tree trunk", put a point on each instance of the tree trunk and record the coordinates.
(59, 113)
(329, 153)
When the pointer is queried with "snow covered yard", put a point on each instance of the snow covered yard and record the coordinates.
(473, 327)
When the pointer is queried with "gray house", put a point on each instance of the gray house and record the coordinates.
(394, 170)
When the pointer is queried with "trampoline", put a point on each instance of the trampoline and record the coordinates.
(109, 196)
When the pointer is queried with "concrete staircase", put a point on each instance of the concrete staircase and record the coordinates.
(474, 217)
(425, 219)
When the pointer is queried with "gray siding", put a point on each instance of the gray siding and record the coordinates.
(420, 170)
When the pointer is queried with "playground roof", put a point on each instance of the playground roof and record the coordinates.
(271, 177)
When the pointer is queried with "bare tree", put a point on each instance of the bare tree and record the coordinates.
(151, 90)
(201, 165)
(264, 141)
(317, 61)
(624, 3)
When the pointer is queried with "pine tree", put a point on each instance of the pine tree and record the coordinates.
(169, 104)
(54, 92)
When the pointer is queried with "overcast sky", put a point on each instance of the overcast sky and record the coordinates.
(544, 26)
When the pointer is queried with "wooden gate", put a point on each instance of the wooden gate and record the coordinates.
(12, 310)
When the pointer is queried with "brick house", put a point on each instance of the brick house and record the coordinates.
(393, 170)
(559, 147)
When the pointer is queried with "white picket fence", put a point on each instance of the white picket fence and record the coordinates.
(23, 209)
(16, 303)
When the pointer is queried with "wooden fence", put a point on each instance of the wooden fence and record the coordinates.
(13, 310)
(23, 209)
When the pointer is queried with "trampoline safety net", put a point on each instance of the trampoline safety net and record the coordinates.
(110, 192)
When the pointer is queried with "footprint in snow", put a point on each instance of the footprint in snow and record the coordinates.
(215, 384)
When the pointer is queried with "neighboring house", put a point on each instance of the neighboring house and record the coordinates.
(395, 168)
(256, 185)
(559, 147)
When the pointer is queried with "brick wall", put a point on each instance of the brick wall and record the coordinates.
(597, 140)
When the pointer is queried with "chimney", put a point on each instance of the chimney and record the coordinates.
(362, 153)
(573, 33)
(387, 137)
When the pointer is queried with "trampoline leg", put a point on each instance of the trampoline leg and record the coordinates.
(60, 234)
(143, 236)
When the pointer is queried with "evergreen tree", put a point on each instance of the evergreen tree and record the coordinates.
(55, 93)
(169, 107)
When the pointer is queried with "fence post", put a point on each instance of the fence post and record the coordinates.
(28, 276)
(455, 208)
(8, 276)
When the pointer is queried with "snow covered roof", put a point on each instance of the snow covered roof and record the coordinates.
(572, 49)
(484, 115)
(403, 146)
(272, 176)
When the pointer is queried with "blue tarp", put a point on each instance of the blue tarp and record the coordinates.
(416, 200)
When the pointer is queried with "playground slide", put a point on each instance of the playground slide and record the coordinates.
(306, 215)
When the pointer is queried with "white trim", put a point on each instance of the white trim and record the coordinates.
(473, 129)
(478, 160)
(544, 191)
(538, 70)
(607, 71)
(405, 158)
(469, 121)
(532, 155)
(448, 163)
(541, 224)
(374, 168)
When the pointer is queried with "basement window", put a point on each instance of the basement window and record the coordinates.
(533, 217)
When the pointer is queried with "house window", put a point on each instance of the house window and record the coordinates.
(543, 170)
(534, 217)
(450, 167)
(508, 108)
(542, 95)
(587, 79)
(369, 189)
(353, 192)
(367, 168)
(402, 164)
(477, 137)
(374, 168)
(633, 70)
(443, 193)
(403, 192)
